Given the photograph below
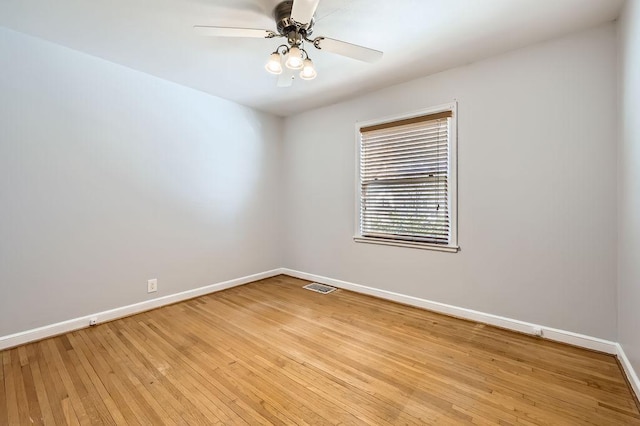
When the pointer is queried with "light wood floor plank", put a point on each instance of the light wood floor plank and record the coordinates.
(53, 385)
(127, 386)
(293, 346)
(11, 393)
(182, 375)
(41, 391)
(271, 352)
(19, 388)
(153, 381)
(102, 378)
(179, 387)
(104, 411)
(186, 389)
(124, 367)
(35, 412)
(251, 413)
(4, 415)
(72, 403)
(219, 360)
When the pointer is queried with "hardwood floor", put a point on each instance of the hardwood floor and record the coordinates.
(273, 353)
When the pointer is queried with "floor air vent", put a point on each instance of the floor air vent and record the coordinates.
(319, 288)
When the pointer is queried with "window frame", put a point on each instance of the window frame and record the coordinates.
(452, 179)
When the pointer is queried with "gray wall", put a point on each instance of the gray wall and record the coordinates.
(537, 188)
(109, 177)
(629, 184)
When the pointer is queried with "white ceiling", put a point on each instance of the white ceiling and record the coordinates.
(419, 37)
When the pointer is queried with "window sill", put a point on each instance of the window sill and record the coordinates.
(410, 244)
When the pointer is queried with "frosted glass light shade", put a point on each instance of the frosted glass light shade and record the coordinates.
(308, 70)
(294, 59)
(273, 65)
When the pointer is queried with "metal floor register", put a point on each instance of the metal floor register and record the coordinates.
(319, 288)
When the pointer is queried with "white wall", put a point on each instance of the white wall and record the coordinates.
(537, 188)
(109, 177)
(629, 184)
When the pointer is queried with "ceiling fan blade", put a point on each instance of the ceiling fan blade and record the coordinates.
(303, 10)
(285, 79)
(232, 32)
(347, 49)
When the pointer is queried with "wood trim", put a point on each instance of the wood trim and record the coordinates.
(412, 120)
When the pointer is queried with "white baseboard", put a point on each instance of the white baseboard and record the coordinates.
(629, 371)
(563, 336)
(112, 314)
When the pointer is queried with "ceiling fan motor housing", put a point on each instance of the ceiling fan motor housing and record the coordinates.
(286, 26)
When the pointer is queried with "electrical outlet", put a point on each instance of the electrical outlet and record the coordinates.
(152, 285)
(93, 321)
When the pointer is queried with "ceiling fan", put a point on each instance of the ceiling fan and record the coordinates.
(294, 21)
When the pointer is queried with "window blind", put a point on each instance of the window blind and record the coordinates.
(404, 179)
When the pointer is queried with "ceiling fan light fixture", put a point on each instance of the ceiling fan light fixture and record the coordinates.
(294, 59)
(274, 65)
(308, 70)
(295, 21)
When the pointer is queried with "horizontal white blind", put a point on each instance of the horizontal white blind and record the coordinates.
(404, 188)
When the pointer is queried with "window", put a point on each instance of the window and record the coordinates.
(407, 180)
